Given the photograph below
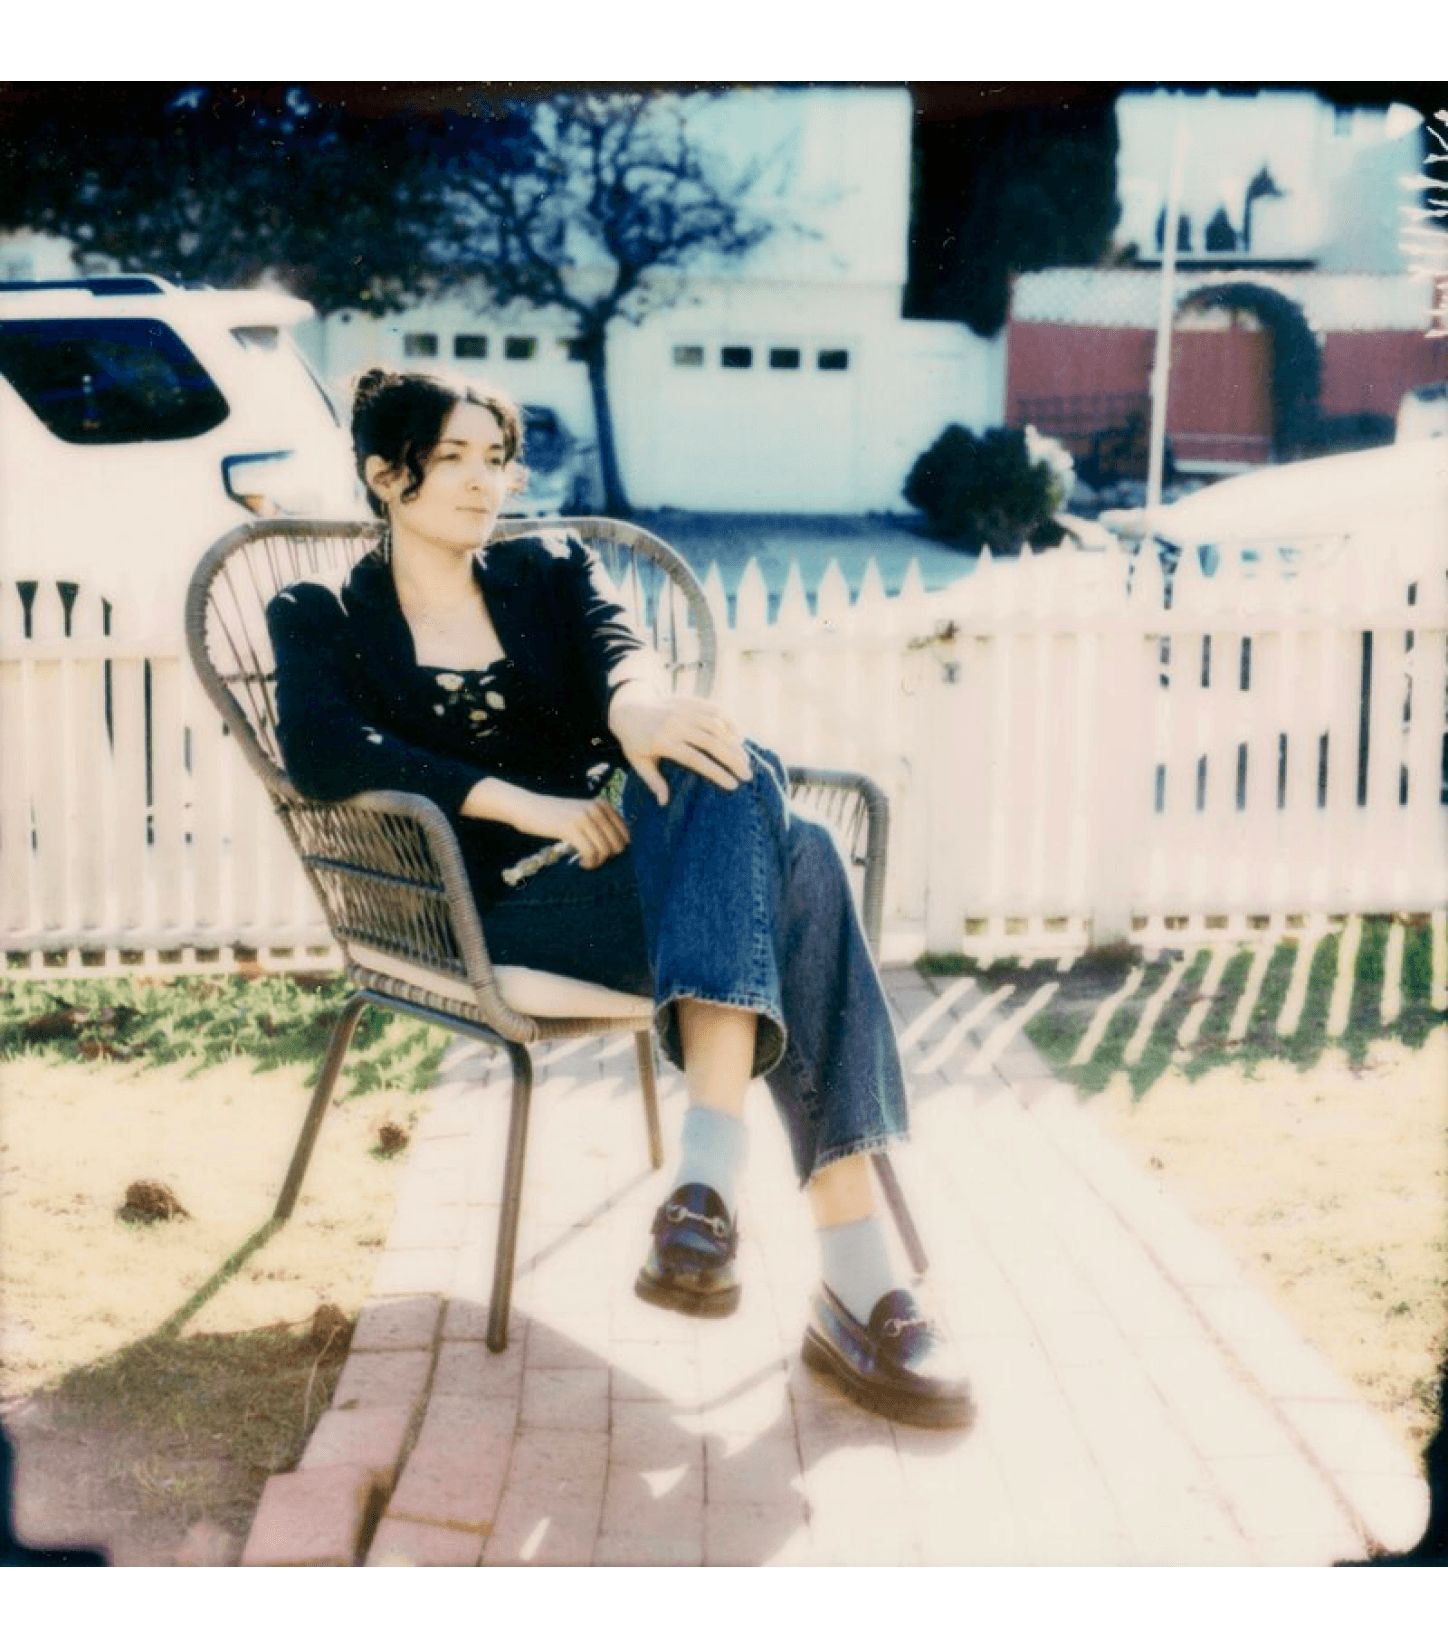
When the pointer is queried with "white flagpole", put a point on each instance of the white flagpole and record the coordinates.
(1161, 366)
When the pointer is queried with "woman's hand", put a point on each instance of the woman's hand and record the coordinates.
(593, 828)
(692, 731)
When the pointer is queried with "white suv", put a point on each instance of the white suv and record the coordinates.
(139, 421)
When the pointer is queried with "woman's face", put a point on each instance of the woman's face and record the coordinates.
(466, 479)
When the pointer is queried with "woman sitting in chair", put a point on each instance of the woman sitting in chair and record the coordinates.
(507, 684)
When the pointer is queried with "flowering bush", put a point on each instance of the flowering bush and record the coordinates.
(1001, 488)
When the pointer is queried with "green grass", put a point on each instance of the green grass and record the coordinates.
(203, 1020)
(198, 1424)
(1057, 1031)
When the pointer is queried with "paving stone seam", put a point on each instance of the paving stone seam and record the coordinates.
(1347, 1497)
(1199, 1301)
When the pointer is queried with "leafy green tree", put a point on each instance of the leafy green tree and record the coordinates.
(224, 186)
(1006, 183)
(600, 199)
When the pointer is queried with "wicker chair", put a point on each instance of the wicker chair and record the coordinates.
(386, 866)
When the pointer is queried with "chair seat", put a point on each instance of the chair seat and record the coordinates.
(525, 989)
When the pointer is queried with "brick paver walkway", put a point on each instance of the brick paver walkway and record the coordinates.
(1139, 1400)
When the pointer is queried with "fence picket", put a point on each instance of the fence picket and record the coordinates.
(85, 741)
(205, 786)
(133, 885)
(1345, 662)
(15, 799)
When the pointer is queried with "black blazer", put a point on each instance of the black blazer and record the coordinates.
(357, 712)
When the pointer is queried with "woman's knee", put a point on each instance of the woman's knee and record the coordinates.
(767, 787)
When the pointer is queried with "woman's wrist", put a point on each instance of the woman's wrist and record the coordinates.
(495, 800)
(628, 694)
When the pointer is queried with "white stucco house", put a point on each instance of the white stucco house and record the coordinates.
(786, 381)
(1342, 176)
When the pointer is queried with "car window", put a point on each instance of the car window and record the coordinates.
(103, 382)
(268, 344)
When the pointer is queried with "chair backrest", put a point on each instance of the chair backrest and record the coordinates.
(226, 609)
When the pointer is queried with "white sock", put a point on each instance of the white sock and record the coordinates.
(856, 1264)
(712, 1148)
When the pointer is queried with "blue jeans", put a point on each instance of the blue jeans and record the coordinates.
(729, 897)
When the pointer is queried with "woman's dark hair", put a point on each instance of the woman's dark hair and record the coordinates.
(398, 417)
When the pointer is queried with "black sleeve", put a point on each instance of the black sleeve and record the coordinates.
(330, 747)
(612, 650)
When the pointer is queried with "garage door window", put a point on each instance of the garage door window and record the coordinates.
(736, 355)
(688, 354)
(784, 360)
(519, 348)
(470, 346)
(834, 360)
(104, 382)
(419, 345)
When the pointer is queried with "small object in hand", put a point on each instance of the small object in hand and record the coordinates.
(147, 1202)
(528, 867)
(611, 790)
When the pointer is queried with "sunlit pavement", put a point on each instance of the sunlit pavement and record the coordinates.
(1139, 1401)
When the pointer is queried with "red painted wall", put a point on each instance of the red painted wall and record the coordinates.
(1044, 359)
(1371, 371)
(1220, 381)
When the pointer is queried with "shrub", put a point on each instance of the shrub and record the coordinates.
(1001, 488)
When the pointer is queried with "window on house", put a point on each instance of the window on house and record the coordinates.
(784, 360)
(735, 354)
(833, 360)
(688, 354)
(520, 348)
(419, 345)
(470, 346)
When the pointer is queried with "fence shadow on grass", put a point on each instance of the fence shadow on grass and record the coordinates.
(1118, 1013)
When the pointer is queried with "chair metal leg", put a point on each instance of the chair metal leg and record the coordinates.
(341, 1040)
(904, 1223)
(497, 1335)
(644, 1043)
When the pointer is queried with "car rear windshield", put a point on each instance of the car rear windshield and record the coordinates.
(104, 382)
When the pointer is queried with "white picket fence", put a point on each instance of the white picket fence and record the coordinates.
(1069, 761)
(1078, 753)
(132, 833)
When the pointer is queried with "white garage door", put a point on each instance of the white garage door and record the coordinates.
(749, 423)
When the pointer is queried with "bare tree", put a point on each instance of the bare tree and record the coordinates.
(595, 202)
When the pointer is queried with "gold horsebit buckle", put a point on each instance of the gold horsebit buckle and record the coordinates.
(896, 1325)
(719, 1228)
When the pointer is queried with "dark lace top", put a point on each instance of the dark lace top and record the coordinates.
(356, 711)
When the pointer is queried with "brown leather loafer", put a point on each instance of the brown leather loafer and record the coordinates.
(691, 1264)
(898, 1364)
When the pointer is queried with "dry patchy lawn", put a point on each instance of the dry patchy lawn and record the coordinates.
(1330, 1186)
(149, 1440)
